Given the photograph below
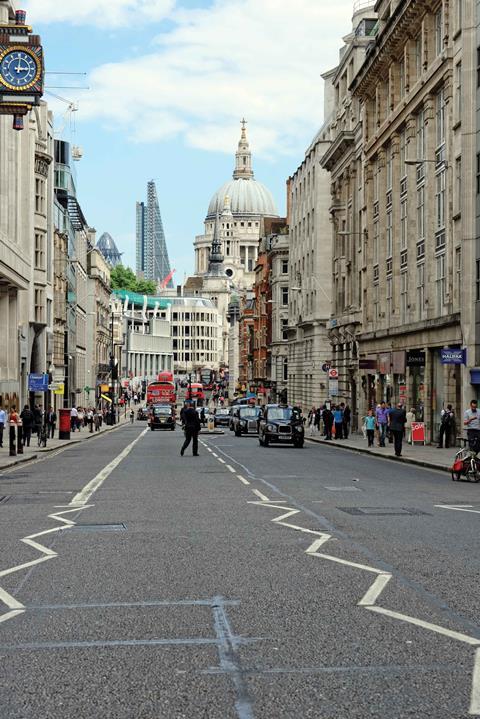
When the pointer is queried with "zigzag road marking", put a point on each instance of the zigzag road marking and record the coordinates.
(369, 599)
(10, 602)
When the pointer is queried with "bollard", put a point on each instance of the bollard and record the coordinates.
(13, 446)
(19, 439)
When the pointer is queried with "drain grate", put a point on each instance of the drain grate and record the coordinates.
(98, 528)
(384, 511)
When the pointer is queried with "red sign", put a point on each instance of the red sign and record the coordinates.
(333, 373)
(418, 432)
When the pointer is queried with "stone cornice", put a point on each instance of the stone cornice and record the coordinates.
(388, 46)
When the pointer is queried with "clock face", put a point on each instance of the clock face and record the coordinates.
(19, 70)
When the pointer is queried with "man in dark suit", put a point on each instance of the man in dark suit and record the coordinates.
(191, 421)
(396, 420)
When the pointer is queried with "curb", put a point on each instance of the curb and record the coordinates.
(49, 450)
(390, 457)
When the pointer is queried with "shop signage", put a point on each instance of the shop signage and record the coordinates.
(418, 432)
(415, 358)
(458, 356)
(367, 363)
(38, 382)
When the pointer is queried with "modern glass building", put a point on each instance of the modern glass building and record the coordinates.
(152, 254)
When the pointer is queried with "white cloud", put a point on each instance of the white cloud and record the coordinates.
(116, 13)
(261, 59)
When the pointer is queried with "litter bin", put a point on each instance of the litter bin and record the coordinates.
(64, 423)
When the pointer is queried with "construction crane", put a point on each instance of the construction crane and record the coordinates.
(164, 283)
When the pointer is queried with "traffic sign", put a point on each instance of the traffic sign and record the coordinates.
(333, 387)
(333, 373)
(326, 366)
(37, 382)
(60, 389)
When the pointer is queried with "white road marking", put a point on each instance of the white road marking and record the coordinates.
(10, 601)
(215, 455)
(262, 496)
(371, 596)
(230, 468)
(84, 495)
(221, 460)
(10, 615)
(458, 636)
(242, 479)
(458, 508)
(475, 696)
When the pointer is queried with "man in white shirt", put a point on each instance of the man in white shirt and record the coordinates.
(471, 421)
(73, 418)
(3, 421)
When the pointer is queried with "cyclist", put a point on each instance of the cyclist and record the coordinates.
(471, 421)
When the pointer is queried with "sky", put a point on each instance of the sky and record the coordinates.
(168, 83)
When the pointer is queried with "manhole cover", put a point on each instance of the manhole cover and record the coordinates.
(98, 528)
(383, 511)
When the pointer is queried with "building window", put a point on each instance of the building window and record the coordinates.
(389, 296)
(403, 167)
(403, 224)
(376, 311)
(458, 185)
(39, 306)
(477, 282)
(39, 196)
(420, 213)
(376, 242)
(285, 369)
(439, 31)
(440, 283)
(284, 267)
(418, 55)
(440, 117)
(458, 15)
(389, 167)
(389, 234)
(478, 173)
(284, 296)
(440, 181)
(376, 179)
(401, 77)
(458, 273)
(420, 291)
(403, 296)
(284, 329)
(458, 92)
(39, 251)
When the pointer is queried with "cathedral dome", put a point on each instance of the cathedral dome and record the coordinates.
(247, 196)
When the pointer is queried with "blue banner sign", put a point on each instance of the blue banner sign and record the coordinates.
(458, 356)
(38, 382)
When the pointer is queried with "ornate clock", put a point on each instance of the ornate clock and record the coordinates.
(21, 69)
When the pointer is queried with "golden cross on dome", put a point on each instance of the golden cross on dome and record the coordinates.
(243, 123)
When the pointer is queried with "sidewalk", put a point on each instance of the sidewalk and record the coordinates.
(424, 456)
(34, 452)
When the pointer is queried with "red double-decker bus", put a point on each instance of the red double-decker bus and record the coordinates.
(163, 390)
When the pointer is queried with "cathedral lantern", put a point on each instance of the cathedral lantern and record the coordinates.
(22, 69)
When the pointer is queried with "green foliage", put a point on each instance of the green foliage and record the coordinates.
(123, 278)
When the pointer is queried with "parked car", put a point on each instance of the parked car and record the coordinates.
(221, 417)
(280, 423)
(245, 420)
(142, 413)
(161, 416)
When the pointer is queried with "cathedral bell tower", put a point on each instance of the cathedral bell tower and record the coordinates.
(243, 157)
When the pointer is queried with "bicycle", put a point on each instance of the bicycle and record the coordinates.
(466, 464)
(42, 436)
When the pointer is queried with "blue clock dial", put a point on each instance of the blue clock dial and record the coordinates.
(18, 69)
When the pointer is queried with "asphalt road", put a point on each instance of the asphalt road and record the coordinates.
(248, 582)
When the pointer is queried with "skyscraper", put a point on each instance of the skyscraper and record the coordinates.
(152, 254)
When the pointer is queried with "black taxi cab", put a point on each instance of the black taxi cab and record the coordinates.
(281, 423)
(161, 416)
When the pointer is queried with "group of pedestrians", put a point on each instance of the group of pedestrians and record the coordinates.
(88, 417)
(331, 421)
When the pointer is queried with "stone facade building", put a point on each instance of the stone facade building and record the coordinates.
(308, 296)
(26, 253)
(99, 340)
(278, 253)
(415, 262)
(344, 160)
